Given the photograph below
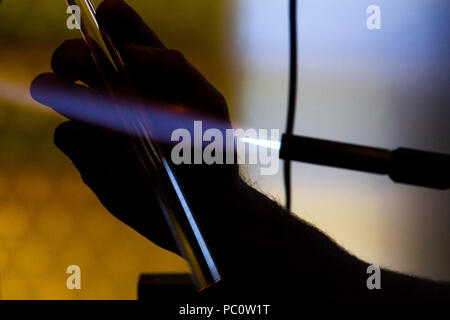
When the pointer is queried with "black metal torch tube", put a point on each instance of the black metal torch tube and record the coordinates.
(427, 169)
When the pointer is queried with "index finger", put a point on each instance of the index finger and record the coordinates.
(124, 25)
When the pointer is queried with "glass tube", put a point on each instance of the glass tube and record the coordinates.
(172, 201)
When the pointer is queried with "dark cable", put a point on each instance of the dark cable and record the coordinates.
(292, 93)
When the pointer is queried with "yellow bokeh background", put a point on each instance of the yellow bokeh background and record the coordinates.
(48, 218)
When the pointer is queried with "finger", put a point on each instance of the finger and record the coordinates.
(60, 94)
(160, 75)
(72, 137)
(101, 156)
(154, 62)
(166, 75)
(73, 61)
(74, 101)
(88, 145)
(124, 25)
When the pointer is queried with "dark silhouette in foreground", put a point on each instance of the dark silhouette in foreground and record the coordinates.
(261, 249)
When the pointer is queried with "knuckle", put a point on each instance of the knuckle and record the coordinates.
(60, 137)
(69, 45)
(108, 7)
(39, 84)
(65, 52)
(174, 56)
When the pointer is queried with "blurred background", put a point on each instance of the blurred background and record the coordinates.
(385, 88)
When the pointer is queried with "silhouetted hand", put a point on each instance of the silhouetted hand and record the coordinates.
(106, 159)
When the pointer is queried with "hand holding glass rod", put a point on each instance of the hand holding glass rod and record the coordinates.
(179, 217)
